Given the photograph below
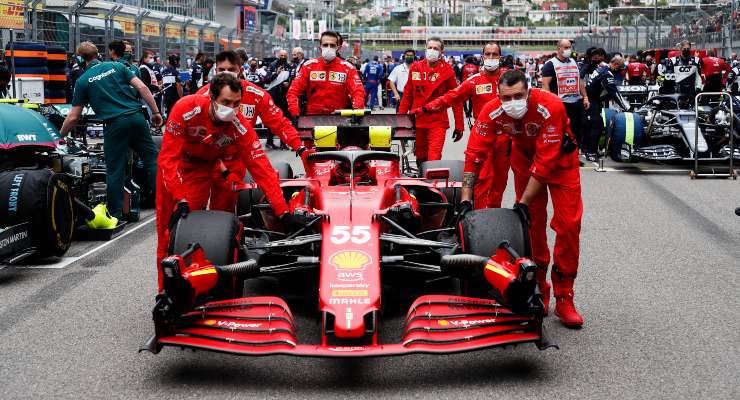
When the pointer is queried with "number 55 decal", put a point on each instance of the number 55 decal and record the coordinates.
(342, 234)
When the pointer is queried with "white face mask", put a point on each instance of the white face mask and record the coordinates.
(565, 53)
(515, 108)
(490, 64)
(328, 54)
(224, 113)
(432, 55)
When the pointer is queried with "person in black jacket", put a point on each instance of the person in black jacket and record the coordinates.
(601, 88)
(277, 83)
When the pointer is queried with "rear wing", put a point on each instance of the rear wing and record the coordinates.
(402, 126)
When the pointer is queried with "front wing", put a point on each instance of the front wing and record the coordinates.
(436, 324)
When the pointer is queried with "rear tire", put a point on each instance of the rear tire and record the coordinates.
(456, 174)
(248, 198)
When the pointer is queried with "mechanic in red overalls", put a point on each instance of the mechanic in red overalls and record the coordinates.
(428, 79)
(329, 83)
(256, 102)
(480, 89)
(202, 132)
(715, 71)
(637, 72)
(544, 157)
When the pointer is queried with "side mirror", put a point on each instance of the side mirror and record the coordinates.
(437, 173)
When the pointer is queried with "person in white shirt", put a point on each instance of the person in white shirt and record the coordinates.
(400, 75)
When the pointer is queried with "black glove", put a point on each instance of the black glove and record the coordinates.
(293, 223)
(463, 208)
(523, 211)
(293, 121)
(300, 151)
(457, 135)
(182, 211)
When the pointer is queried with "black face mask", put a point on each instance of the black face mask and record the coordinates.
(282, 61)
(685, 52)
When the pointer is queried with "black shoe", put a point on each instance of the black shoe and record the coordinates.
(283, 147)
(270, 146)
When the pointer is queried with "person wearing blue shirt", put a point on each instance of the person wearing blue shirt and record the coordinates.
(373, 74)
(601, 88)
(171, 81)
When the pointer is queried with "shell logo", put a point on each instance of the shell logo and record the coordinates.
(443, 322)
(209, 322)
(350, 260)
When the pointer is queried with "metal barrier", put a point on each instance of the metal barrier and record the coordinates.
(155, 29)
(696, 173)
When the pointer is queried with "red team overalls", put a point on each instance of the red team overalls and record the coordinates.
(189, 158)
(536, 152)
(423, 86)
(482, 88)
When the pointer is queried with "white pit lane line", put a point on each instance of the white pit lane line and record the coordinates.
(64, 262)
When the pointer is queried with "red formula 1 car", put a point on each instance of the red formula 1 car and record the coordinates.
(378, 243)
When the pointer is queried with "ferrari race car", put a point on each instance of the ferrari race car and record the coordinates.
(378, 242)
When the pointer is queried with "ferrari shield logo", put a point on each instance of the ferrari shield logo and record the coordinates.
(434, 77)
(338, 77)
(532, 129)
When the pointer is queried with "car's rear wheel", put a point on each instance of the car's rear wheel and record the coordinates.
(248, 198)
(456, 168)
(483, 230)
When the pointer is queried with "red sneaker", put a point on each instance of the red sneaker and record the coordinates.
(566, 311)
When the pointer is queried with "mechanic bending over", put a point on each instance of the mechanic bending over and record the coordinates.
(482, 88)
(203, 134)
(110, 88)
(256, 102)
(544, 156)
(429, 79)
(601, 88)
(329, 83)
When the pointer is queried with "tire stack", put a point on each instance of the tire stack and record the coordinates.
(30, 60)
(56, 62)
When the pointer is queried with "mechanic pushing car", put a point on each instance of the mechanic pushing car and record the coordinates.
(429, 79)
(110, 88)
(329, 83)
(256, 102)
(544, 156)
(601, 88)
(204, 133)
(480, 89)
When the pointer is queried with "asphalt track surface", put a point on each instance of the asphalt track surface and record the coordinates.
(658, 287)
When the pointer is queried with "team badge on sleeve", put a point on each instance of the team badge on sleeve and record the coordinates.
(544, 111)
